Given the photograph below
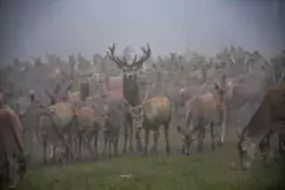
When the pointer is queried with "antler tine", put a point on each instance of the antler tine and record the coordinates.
(111, 55)
(57, 89)
(146, 95)
(135, 59)
(125, 61)
(233, 59)
(69, 87)
(128, 104)
(245, 59)
(147, 53)
(52, 98)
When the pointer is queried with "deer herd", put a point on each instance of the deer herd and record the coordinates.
(67, 106)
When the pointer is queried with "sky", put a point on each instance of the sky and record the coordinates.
(31, 28)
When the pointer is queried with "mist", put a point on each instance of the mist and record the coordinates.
(33, 27)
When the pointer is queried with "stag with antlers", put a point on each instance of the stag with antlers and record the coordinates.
(130, 88)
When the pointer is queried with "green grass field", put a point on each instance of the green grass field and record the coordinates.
(209, 170)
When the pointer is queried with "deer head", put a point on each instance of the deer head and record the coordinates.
(137, 112)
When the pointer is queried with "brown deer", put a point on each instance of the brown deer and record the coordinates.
(150, 115)
(131, 89)
(268, 118)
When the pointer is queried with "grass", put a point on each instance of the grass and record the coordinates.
(210, 170)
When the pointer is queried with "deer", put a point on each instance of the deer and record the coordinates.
(131, 89)
(150, 115)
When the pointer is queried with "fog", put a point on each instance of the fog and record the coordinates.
(35, 27)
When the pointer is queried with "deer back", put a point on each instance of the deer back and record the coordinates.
(157, 108)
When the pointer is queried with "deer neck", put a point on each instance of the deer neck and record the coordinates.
(131, 89)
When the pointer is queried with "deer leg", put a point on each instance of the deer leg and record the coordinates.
(75, 144)
(44, 151)
(91, 145)
(281, 144)
(223, 128)
(183, 151)
(155, 139)
(167, 148)
(126, 131)
(116, 141)
(73, 140)
(33, 142)
(96, 144)
(79, 145)
(138, 139)
(87, 141)
(265, 146)
(88, 145)
(268, 145)
(105, 142)
(212, 128)
(200, 140)
(131, 150)
(68, 156)
(84, 146)
(146, 142)
(201, 134)
(53, 154)
(109, 144)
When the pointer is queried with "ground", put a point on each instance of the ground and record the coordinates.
(210, 170)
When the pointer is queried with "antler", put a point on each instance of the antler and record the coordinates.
(57, 89)
(52, 98)
(147, 53)
(136, 64)
(233, 59)
(145, 98)
(69, 86)
(116, 59)
(128, 104)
